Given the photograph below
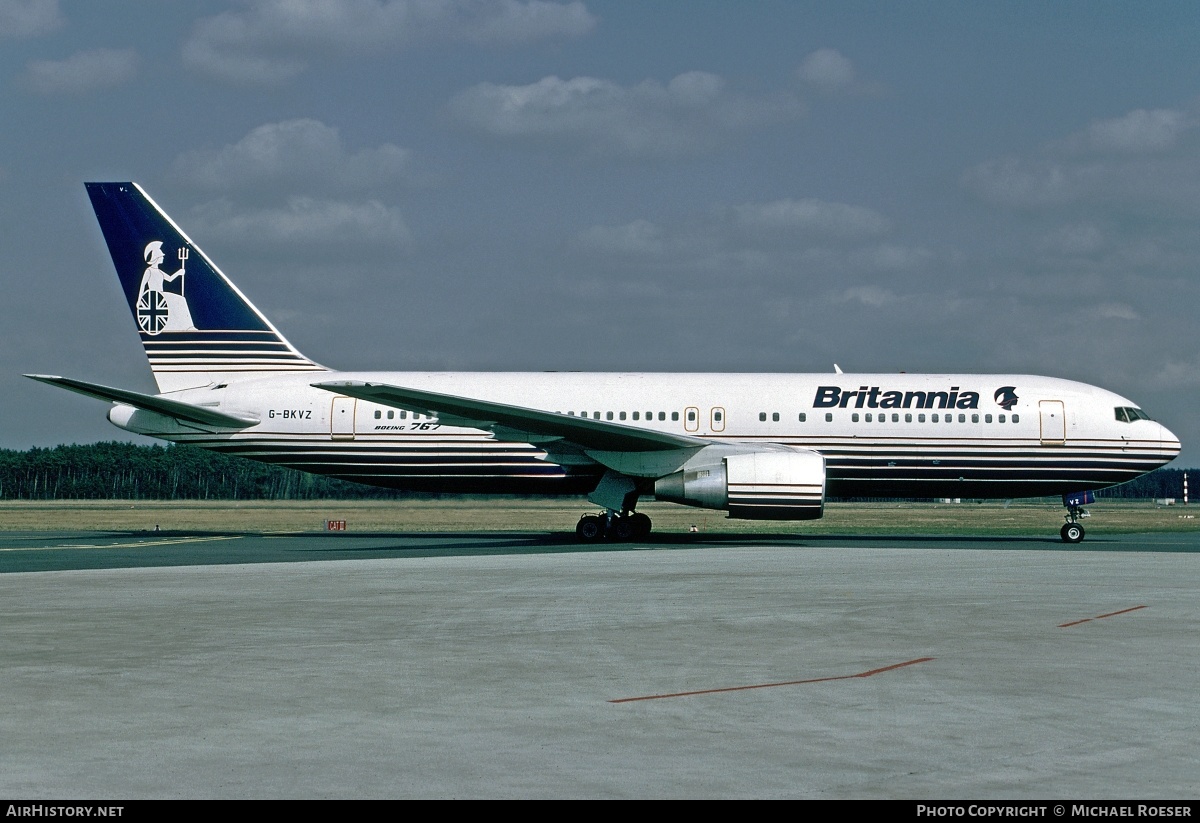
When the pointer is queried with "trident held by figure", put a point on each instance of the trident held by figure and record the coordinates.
(183, 256)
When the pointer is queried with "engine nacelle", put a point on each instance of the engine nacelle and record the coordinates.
(756, 485)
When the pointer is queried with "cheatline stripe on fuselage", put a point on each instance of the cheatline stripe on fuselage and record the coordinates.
(394, 457)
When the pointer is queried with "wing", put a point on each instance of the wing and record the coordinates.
(177, 409)
(517, 423)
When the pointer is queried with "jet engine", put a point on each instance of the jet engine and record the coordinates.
(759, 485)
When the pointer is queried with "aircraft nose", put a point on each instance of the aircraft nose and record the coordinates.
(1170, 443)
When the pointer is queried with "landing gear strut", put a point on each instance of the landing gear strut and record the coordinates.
(623, 526)
(1072, 531)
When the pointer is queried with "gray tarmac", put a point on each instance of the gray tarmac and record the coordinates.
(212, 665)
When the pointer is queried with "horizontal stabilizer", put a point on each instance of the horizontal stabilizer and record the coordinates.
(505, 420)
(171, 408)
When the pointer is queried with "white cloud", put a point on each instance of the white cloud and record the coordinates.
(1011, 181)
(1139, 131)
(827, 70)
(29, 18)
(1116, 311)
(81, 73)
(815, 217)
(307, 222)
(1082, 238)
(871, 296)
(272, 40)
(1146, 161)
(692, 113)
(638, 237)
(889, 257)
(303, 151)
(830, 73)
(776, 242)
(1176, 374)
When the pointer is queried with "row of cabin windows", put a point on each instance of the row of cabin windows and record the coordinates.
(403, 415)
(933, 418)
(882, 417)
(718, 416)
(632, 415)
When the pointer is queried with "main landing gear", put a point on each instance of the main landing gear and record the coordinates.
(1072, 530)
(611, 525)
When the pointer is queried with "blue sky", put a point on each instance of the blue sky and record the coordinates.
(702, 186)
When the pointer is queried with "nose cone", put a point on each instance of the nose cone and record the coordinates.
(1170, 444)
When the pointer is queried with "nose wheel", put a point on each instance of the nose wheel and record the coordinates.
(1072, 533)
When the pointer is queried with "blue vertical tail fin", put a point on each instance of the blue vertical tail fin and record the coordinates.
(195, 325)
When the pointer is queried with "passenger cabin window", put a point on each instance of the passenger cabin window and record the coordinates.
(675, 415)
(854, 417)
(762, 417)
(775, 417)
(828, 417)
(803, 417)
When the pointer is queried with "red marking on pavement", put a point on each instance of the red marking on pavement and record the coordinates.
(773, 685)
(1099, 617)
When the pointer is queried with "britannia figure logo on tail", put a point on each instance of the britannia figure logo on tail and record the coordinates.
(160, 309)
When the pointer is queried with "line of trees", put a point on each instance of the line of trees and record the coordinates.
(128, 471)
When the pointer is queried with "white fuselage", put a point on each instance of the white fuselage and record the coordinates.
(894, 435)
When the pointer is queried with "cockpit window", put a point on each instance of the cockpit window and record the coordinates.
(1127, 414)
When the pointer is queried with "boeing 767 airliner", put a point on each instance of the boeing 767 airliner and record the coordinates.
(758, 446)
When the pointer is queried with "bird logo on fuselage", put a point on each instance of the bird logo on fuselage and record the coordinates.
(1006, 397)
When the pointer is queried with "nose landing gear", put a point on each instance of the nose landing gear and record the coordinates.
(1072, 531)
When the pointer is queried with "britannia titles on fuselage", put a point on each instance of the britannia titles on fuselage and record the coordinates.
(873, 397)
